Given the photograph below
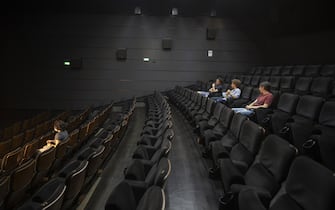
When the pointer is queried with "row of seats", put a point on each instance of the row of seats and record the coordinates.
(65, 170)
(42, 130)
(22, 126)
(144, 179)
(297, 70)
(253, 166)
(16, 151)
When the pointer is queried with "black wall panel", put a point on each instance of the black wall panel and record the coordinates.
(36, 47)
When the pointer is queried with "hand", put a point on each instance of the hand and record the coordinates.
(248, 107)
(228, 91)
(50, 141)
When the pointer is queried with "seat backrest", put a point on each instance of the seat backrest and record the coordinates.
(288, 102)
(298, 70)
(135, 171)
(122, 197)
(246, 93)
(328, 71)
(264, 79)
(247, 80)
(45, 159)
(210, 106)
(311, 185)
(17, 141)
(236, 124)
(12, 159)
(271, 165)
(275, 82)
(286, 71)
(217, 110)
(309, 107)
(259, 70)
(321, 86)
(302, 85)
(29, 135)
(276, 70)
(251, 136)
(153, 199)
(4, 188)
(255, 81)
(5, 147)
(254, 94)
(312, 70)
(286, 83)
(267, 71)
(23, 175)
(326, 141)
(30, 149)
(226, 117)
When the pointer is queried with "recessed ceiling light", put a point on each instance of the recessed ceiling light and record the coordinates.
(210, 53)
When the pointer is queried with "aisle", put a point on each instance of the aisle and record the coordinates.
(113, 172)
(188, 187)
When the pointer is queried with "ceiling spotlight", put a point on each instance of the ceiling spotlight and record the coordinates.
(138, 11)
(174, 12)
(213, 13)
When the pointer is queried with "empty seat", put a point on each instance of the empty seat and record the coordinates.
(30, 149)
(5, 147)
(228, 140)
(144, 176)
(312, 70)
(286, 71)
(29, 135)
(124, 197)
(44, 161)
(243, 153)
(220, 128)
(275, 82)
(49, 196)
(264, 79)
(301, 191)
(94, 156)
(328, 71)
(307, 111)
(321, 86)
(151, 155)
(247, 80)
(11, 160)
(298, 70)
(259, 70)
(17, 141)
(4, 190)
(255, 81)
(286, 84)
(207, 113)
(325, 138)
(244, 98)
(74, 175)
(267, 70)
(20, 182)
(266, 174)
(212, 121)
(302, 85)
(285, 109)
(276, 70)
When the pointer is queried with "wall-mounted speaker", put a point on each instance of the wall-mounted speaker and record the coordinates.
(167, 44)
(121, 54)
(211, 33)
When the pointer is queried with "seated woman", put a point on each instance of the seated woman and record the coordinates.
(264, 100)
(234, 93)
(61, 135)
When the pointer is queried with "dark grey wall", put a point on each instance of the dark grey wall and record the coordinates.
(37, 45)
(313, 48)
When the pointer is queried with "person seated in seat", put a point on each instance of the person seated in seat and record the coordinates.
(61, 135)
(215, 90)
(264, 100)
(231, 94)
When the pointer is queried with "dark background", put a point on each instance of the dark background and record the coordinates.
(37, 37)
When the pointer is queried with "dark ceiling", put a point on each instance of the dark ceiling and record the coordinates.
(280, 16)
